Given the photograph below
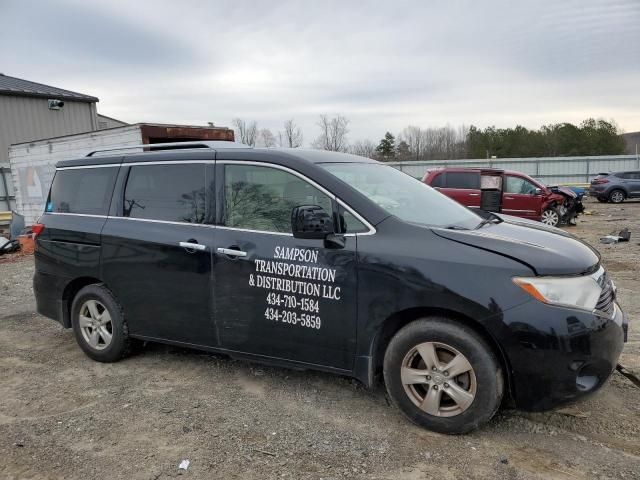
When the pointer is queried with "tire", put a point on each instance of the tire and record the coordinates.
(479, 390)
(92, 328)
(617, 196)
(602, 199)
(551, 217)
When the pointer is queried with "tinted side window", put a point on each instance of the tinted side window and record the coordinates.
(437, 180)
(174, 193)
(82, 190)
(630, 175)
(519, 185)
(469, 180)
(261, 198)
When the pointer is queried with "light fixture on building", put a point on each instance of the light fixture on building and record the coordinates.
(55, 104)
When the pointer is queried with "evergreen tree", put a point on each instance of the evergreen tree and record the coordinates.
(592, 137)
(387, 146)
(403, 152)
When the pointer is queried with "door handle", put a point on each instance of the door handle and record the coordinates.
(232, 252)
(474, 194)
(193, 246)
(509, 198)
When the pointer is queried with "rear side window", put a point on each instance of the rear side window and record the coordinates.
(629, 175)
(82, 190)
(437, 180)
(173, 193)
(467, 180)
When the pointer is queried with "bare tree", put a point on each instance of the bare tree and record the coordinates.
(246, 131)
(435, 143)
(266, 138)
(414, 136)
(291, 137)
(333, 134)
(363, 148)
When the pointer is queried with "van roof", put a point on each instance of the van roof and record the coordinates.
(203, 150)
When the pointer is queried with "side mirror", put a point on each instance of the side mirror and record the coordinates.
(311, 221)
(537, 191)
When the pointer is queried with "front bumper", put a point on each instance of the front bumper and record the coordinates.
(558, 355)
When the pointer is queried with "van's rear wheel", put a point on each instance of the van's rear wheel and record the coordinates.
(98, 324)
(442, 375)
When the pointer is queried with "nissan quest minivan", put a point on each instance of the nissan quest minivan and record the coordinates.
(328, 261)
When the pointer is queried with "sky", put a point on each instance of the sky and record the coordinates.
(382, 65)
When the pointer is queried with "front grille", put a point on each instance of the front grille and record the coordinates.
(607, 297)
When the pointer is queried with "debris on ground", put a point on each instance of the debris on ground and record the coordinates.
(623, 236)
(8, 246)
(264, 452)
(609, 239)
(184, 465)
(629, 374)
(574, 412)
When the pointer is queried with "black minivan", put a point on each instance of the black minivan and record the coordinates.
(323, 260)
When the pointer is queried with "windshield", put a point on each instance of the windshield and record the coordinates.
(403, 196)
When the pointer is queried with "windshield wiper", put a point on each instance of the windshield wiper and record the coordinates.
(490, 219)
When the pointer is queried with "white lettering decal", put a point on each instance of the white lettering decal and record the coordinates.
(298, 290)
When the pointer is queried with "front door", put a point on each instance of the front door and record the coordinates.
(519, 198)
(275, 295)
(156, 252)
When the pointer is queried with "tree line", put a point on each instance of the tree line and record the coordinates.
(590, 137)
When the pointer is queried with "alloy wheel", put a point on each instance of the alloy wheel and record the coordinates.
(550, 217)
(95, 324)
(617, 196)
(438, 379)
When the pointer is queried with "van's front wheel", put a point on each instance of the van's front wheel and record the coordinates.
(551, 217)
(98, 324)
(443, 376)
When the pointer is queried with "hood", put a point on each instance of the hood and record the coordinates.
(565, 191)
(546, 250)
(568, 192)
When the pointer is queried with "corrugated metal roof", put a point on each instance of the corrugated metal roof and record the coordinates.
(17, 86)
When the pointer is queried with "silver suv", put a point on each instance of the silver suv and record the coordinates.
(616, 187)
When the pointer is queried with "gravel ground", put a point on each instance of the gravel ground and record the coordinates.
(65, 416)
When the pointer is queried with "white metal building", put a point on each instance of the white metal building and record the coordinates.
(33, 163)
(30, 111)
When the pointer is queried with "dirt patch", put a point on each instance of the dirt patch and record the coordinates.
(65, 416)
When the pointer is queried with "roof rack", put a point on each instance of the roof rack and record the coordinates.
(211, 144)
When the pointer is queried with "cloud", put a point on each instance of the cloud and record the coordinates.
(382, 65)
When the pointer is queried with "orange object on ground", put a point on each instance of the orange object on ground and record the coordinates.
(27, 244)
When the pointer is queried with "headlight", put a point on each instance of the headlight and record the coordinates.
(576, 292)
